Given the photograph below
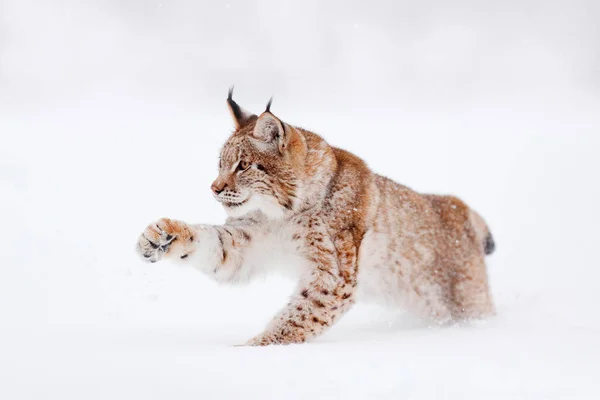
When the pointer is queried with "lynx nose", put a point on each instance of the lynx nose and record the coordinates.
(218, 186)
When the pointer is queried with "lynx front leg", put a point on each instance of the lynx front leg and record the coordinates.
(322, 298)
(215, 250)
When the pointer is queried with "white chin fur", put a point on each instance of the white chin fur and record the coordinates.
(266, 204)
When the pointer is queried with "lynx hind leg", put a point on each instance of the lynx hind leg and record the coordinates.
(430, 303)
(471, 298)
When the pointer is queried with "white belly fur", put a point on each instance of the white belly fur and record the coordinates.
(276, 252)
(378, 280)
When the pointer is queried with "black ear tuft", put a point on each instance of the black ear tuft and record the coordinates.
(240, 116)
(269, 105)
(235, 109)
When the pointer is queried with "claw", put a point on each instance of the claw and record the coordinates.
(152, 244)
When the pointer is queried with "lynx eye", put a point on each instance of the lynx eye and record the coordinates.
(243, 165)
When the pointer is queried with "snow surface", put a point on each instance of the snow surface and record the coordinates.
(112, 116)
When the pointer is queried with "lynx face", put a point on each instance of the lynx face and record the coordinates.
(257, 168)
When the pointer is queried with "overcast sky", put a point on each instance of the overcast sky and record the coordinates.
(318, 53)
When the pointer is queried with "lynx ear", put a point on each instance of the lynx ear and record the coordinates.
(271, 130)
(240, 116)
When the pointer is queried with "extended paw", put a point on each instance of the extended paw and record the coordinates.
(164, 238)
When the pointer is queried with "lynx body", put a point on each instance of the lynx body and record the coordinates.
(299, 206)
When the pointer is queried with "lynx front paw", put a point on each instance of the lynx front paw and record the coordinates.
(165, 238)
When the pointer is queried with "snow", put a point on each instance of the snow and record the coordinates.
(114, 116)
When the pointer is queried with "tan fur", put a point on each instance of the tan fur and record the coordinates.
(353, 233)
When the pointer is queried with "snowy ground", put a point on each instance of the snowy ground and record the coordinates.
(84, 318)
(107, 124)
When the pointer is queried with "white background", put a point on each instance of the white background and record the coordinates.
(112, 114)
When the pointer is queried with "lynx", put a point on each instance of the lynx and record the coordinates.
(297, 205)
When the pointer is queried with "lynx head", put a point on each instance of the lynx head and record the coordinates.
(261, 165)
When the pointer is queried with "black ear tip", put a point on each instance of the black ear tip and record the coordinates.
(230, 93)
(268, 109)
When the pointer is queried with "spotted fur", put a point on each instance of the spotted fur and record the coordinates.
(302, 207)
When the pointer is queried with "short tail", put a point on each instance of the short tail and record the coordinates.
(483, 233)
(489, 245)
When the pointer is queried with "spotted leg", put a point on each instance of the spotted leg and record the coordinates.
(323, 295)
